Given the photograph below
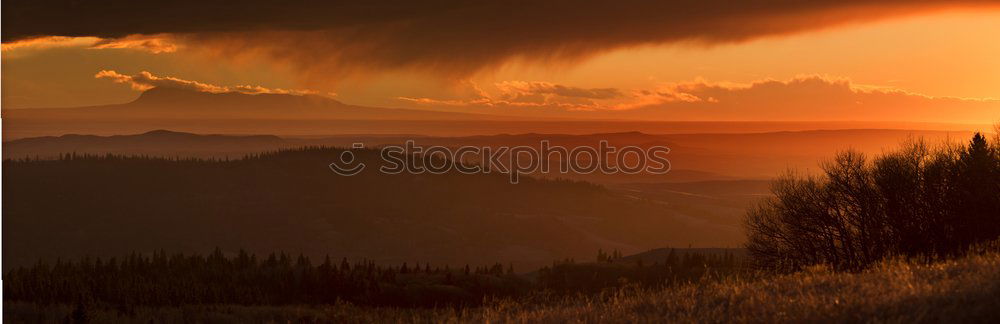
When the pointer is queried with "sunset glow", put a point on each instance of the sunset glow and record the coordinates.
(491, 161)
(928, 59)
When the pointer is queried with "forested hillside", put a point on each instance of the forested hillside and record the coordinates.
(290, 201)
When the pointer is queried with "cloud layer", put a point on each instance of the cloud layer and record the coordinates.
(445, 36)
(805, 98)
(527, 94)
(145, 81)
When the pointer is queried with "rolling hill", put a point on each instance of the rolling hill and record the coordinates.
(693, 157)
(290, 201)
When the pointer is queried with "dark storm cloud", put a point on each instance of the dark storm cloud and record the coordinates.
(447, 36)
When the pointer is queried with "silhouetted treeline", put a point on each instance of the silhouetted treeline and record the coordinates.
(613, 270)
(915, 202)
(163, 279)
(245, 279)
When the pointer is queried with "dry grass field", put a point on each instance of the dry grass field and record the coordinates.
(954, 291)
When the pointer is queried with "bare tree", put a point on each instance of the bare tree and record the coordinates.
(914, 201)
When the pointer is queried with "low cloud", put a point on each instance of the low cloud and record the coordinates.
(48, 42)
(803, 98)
(522, 88)
(145, 81)
(152, 44)
(155, 44)
(528, 94)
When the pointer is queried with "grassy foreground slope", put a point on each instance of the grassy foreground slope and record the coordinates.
(953, 291)
(962, 290)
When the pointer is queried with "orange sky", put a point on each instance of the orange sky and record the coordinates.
(919, 66)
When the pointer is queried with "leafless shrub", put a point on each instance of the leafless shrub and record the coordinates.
(915, 201)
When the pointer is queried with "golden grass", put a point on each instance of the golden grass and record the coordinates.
(962, 290)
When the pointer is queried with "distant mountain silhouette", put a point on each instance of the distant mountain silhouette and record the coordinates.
(176, 103)
(161, 143)
(284, 115)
